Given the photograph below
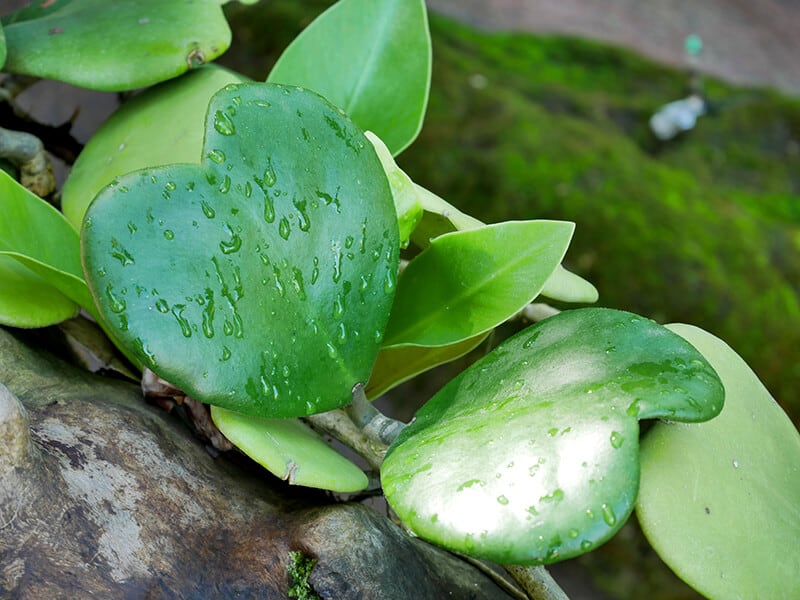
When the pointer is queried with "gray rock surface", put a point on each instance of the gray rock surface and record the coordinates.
(106, 497)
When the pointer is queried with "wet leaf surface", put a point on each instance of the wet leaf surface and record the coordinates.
(260, 280)
(532, 454)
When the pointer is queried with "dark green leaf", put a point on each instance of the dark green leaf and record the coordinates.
(532, 454)
(260, 280)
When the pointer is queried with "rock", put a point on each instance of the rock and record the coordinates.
(108, 497)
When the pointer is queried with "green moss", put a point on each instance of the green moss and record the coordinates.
(300, 567)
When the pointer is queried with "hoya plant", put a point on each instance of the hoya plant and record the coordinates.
(254, 246)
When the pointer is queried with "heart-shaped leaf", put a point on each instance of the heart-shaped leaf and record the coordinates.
(467, 282)
(41, 281)
(720, 501)
(531, 455)
(156, 127)
(260, 280)
(290, 450)
(90, 43)
(373, 59)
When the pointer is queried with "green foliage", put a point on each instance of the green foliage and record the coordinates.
(468, 282)
(290, 450)
(373, 59)
(40, 268)
(252, 260)
(90, 43)
(282, 265)
(554, 412)
(742, 467)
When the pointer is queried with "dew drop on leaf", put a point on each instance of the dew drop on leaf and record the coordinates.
(223, 123)
(608, 515)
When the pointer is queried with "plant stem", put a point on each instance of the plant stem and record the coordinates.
(336, 423)
(375, 425)
(536, 582)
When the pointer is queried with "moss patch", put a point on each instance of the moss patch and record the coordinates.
(300, 567)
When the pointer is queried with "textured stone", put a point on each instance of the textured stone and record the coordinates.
(115, 499)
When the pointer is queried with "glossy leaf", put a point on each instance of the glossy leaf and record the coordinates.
(372, 59)
(396, 365)
(531, 455)
(90, 43)
(2, 47)
(289, 449)
(406, 199)
(258, 280)
(41, 281)
(467, 282)
(157, 127)
(720, 501)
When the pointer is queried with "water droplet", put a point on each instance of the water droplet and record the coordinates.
(225, 186)
(270, 178)
(297, 282)
(177, 312)
(226, 354)
(633, 409)
(616, 439)
(208, 211)
(337, 265)
(223, 123)
(573, 533)
(338, 307)
(232, 245)
(608, 515)
(216, 155)
(162, 306)
(121, 254)
(469, 484)
(132, 227)
(170, 186)
(531, 340)
(342, 334)
(208, 314)
(502, 500)
(303, 221)
(389, 281)
(315, 271)
(555, 497)
(169, 234)
(269, 209)
(586, 545)
(278, 283)
(331, 350)
(735, 464)
(116, 303)
(284, 229)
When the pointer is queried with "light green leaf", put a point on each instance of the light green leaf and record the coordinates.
(2, 47)
(258, 280)
(372, 59)
(720, 501)
(531, 455)
(439, 217)
(468, 282)
(40, 271)
(114, 46)
(289, 449)
(396, 365)
(157, 127)
(566, 286)
(406, 199)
